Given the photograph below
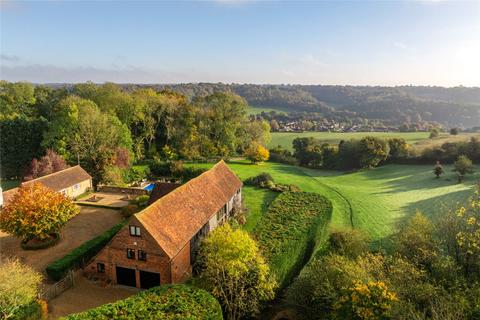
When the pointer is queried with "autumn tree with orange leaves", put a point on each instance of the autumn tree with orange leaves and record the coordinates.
(36, 212)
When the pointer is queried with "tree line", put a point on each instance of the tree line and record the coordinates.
(370, 152)
(106, 127)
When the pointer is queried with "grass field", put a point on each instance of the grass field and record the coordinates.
(257, 110)
(374, 201)
(9, 184)
(285, 138)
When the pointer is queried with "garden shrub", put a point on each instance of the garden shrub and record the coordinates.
(265, 180)
(259, 181)
(87, 250)
(31, 311)
(165, 302)
(141, 201)
(127, 211)
(293, 226)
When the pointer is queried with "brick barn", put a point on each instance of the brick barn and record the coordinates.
(158, 245)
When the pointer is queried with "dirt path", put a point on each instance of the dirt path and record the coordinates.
(86, 295)
(85, 226)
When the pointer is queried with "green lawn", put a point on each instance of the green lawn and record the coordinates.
(9, 184)
(374, 201)
(257, 110)
(285, 138)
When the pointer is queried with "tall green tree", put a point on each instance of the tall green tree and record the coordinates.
(97, 139)
(235, 272)
(19, 286)
(463, 166)
(416, 241)
(224, 114)
(372, 151)
(20, 142)
(64, 124)
(16, 99)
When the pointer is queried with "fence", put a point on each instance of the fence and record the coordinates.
(58, 287)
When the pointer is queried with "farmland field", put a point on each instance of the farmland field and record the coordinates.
(285, 138)
(374, 201)
(257, 110)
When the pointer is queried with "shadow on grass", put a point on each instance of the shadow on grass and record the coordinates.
(433, 208)
(400, 178)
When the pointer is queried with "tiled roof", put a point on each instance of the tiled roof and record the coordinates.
(160, 189)
(62, 179)
(175, 218)
(56, 181)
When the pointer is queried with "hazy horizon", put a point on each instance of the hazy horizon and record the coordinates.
(429, 43)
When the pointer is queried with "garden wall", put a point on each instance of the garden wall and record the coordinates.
(126, 190)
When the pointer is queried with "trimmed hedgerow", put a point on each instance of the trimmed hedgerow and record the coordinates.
(80, 255)
(295, 223)
(165, 302)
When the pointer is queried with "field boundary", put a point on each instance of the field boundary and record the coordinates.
(350, 207)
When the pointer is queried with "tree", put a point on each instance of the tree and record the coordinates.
(438, 170)
(20, 142)
(416, 241)
(461, 231)
(462, 166)
(36, 212)
(19, 285)
(223, 118)
(96, 141)
(372, 151)
(320, 285)
(16, 99)
(235, 272)
(64, 125)
(350, 243)
(454, 131)
(255, 131)
(366, 301)
(51, 162)
(434, 133)
(257, 153)
(399, 148)
(307, 151)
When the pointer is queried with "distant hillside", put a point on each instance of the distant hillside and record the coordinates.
(451, 107)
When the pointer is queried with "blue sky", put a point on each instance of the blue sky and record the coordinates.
(360, 43)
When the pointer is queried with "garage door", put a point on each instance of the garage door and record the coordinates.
(149, 279)
(126, 277)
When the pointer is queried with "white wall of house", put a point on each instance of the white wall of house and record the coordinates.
(77, 189)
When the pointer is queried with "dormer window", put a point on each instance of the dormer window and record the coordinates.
(135, 231)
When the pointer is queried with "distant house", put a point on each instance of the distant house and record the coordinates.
(70, 182)
(159, 244)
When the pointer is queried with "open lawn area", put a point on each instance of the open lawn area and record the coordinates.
(285, 138)
(257, 110)
(374, 201)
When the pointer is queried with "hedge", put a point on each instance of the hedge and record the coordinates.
(164, 302)
(295, 223)
(87, 250)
